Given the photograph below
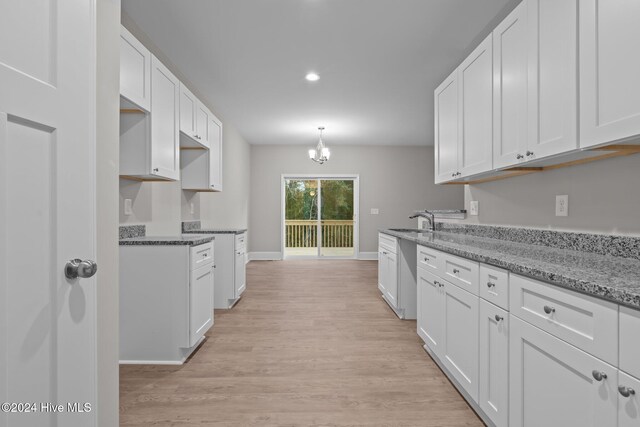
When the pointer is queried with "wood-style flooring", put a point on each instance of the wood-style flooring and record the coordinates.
(311, 343)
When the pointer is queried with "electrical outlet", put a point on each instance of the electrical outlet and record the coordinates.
(562, 205)
(128, 207)
(473, 207)
(375, 211)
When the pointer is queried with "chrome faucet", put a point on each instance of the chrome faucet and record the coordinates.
(427, 215)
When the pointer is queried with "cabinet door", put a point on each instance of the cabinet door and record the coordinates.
(553, 383)
(382, 270)
(493, 396)
(446, 129)
(202, 124)
(628, 403)
(135, 70)
(430, 311)
(510, 89)
(460, 351)
(553, 77)
(609, 70)
(391, 283)
(201, 302)
(188, 112)
(240, 273)
(215, 154)
(475, 102)
(165, 128)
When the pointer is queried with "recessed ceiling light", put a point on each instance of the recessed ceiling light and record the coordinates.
(312, 77)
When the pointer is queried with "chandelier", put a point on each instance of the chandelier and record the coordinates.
(321, 153)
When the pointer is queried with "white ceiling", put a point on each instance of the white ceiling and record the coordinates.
(378, 61)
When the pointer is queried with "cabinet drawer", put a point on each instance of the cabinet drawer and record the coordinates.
(430, 259)
(494, 285)
(390, 243)
(630, 341)
(461, 272)
(201, 255)
(240, 240)
(588, 323)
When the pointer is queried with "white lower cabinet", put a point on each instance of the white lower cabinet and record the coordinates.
(240, 272)
(201, 303)
(460, 337)
(628, 400)
(382, 269)
(493, 396)
(391, 281)
(553, 383)
(430, 310)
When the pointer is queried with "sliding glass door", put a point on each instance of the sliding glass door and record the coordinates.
(320, 217)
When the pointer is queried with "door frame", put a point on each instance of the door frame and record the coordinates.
(356, 211)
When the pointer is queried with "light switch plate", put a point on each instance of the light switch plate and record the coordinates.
(473, 207)
(562, 205)
(128, 207)
(374, 211)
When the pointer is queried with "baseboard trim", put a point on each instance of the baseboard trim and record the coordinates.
(368, 255)
(265, 256)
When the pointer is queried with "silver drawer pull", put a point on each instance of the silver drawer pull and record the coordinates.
(426, 259)
(549, 310)
(498, 318)
(435, 282)
(626, 391)
(456, 271)
(491, 285)
(599, 376)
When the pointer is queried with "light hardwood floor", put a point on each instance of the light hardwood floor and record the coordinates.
(311, 343)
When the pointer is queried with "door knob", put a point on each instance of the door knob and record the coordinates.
(626, 391)
(78, 268)
(599, 376)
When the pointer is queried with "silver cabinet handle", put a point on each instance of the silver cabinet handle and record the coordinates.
(519, 156)
(491, 285)
(498, 318)
(599, 376)
(156, 169)
(626, 391)
(549, 310)
(456, 271)
(426, 259)
(435, 282)
(75, 268)
(453, 174)
(529, 153)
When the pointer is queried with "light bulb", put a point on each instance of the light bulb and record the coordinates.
(326, 153)
(312, 153)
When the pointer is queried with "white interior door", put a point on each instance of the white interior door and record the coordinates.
(47, 210)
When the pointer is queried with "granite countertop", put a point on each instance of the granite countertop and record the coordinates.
(191, 240)
(216, 231)
(607, 277)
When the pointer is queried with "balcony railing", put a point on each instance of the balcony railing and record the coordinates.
(304, 233)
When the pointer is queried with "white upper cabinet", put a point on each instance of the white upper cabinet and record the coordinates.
(202, 168)
(510, 89)
(135, 71)
(165, 143)
(475, 103)
(446, 129)
(609, 71)
(194, 119)
(215, 153)
(552, 77)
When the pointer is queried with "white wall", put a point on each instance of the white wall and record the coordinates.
(107, 151)
(396, 180)
(162, 206)
(604, 196)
